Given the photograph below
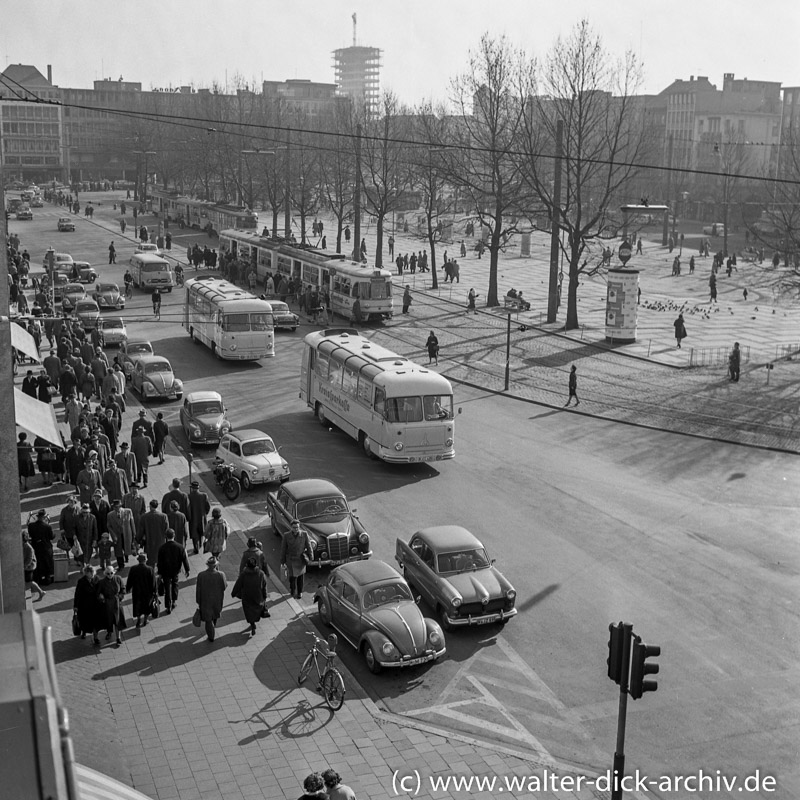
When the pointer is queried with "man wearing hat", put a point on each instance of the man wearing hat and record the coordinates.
(171, 557)
(126, 461)
(254, 550)
(178, 523)
(88, 480)
(142, 449)
(115, 482)
(143, 424)
(210, 594)
(295, 554)
(135, 502)
(198, 513)
(216, 532)
(86, 532)
(110, 593)
(175, 494)
(41, 539)
(123, 533)
(152, 532)
(141, 584)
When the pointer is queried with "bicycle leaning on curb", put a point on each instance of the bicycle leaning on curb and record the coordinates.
(331, 683)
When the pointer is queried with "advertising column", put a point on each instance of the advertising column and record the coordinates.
(622, 300)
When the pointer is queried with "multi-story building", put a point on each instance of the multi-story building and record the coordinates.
(311, 99)
(358, 76)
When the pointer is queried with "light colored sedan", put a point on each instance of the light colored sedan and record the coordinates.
(112, 331)
(254, 457)
(107, 295)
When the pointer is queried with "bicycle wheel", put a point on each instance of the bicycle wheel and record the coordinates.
(333, 688)
(305, 669)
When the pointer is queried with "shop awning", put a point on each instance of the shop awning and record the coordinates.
(93, 785)
(36, 417)
(21, 340)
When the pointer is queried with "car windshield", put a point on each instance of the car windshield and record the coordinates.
(278, 307)
(86, 307)
(385, 594)
(113, 322)
(76, 288)
(257, 447)
(206, 407)
(140, 347)
(333, 507)
(463, 560)
(158, 366)
(108, 287)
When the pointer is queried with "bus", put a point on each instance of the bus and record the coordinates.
(235, 324)
(204, 215)
(397, 410)
(151, 271)
(344, 279)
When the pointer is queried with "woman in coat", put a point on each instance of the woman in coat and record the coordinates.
(210, 595)
(433, 348)
(251, 589)
(110, 594)
(142, 586)
(86, 604)
(295, 554)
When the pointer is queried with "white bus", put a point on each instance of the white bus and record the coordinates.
(235, 324)
(397, 410)
(151, 271)
(346, 280)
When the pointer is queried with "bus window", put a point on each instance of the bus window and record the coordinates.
(437, 407)
(380, 401)
(236, 323)
(379, 290)
(321, 367)
(357, 291)
(404, 409)
(350, 380)
(260, 322)
(365, 392)
(335, 375)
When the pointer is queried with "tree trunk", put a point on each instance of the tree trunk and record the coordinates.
(572, 295)
(432, 243)
(379, 245)
(494, 255)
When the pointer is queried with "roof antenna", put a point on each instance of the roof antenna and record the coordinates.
(354, 29)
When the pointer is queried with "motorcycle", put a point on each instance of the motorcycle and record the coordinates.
(223, 474)
(179, 278)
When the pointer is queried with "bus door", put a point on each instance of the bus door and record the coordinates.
(307, 374)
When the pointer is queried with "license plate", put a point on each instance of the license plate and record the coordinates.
(414, 662)
(485, 620)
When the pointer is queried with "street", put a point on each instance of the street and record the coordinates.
(691, 540)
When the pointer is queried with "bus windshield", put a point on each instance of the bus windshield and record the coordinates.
(238, 323)
(416, 409)
(372, 290)
(155, 267)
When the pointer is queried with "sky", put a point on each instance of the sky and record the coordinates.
(425, 43)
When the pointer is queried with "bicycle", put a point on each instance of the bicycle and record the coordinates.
(331, 683)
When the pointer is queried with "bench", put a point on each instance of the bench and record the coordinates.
(511, 304)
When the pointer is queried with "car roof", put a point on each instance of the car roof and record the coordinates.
(115, 322)
(134, 342)
(448, 537)
(87, 302)
(75, 287)
(311, 487)
(151, 359)
(196, 397)
(250, 433)
(110, 285)
(370, 571)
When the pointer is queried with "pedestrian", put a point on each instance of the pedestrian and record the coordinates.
(171, 558)
(573, 386)
(152, 532)
(210, 595)
(86, 535)
(24, 461)
(744, 293)
(639, 246)
(144, 424)
(407, 299)
(295, 554)
(122, 531)
(432, 344)
(334, 787)
(157, 303)
(734, 362)
(712, 286)
(471, 302)
(691, 265)
(134, 502)
(126, 462)
(86, 605)
(391, 246)
(115, 482)
(142, 449)
(110, 594)
(105, 550)
(216, 534)
(347, 234)
(313, 788)
(29, 565)
(251, 589)
(112, 254)
(680, 329)
(141, 585)
(198, 512)
(160, 434)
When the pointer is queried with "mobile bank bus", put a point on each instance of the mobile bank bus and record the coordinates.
(235, 324)
(397, 410)
(345, 280)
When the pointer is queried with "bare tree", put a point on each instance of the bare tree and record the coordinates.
(486, 137)
(605, 137)
(337, 168)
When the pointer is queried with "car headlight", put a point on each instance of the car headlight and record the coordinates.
(448, 442)
(178, 384)
(511, 594)
(387, 648)
(254, 470)
(435, 638)
(398, 446)
(455, 602)
(224, 428)
(363, 538)
(233, 347)
(148, 388)
(196, 433)
(323, 556)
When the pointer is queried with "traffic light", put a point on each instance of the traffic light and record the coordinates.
(616, 644)
(639, 667)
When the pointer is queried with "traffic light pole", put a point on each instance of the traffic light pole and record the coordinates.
(619, 753)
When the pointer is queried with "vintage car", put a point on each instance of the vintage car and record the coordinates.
(715, 229)
(25, 213)
(153, 379)
(203, 418)
(37, 201)
(282, 315)
(85, 272)
(73, 292)
(372, 607)
(113, 332)
(62, 262)
(451, 570)
(87, 313)
(131, 351)
(107, 295)
(335, 532)
(65, 224)
(148, 247)
(254, 457)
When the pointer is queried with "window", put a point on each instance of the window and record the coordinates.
(261, 322)
(321, 367)
(365, 391)
(404, 409)
(437, 407)
(350, 380)
(380, 401)
(350, 595)
(235, 450)
(236, 323)
(335, 375)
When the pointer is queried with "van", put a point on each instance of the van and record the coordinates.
(152, 272)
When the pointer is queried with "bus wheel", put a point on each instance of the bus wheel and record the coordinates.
(321, 415)
(364, 439)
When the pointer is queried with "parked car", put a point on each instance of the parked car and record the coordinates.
(107, 295)
(203, 418)
(453, 573)
(87, 313)
(83, 271)
(715, 229)
(283, 316)
(73, 292)
(131, 351)
(335, 532)
(65, 224)
(372, 608)
(153, 378)
(254, 457)
(25, 213)
(113, 332)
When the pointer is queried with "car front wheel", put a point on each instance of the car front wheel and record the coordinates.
(443, 621)
(246, 482)
(373, 665)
